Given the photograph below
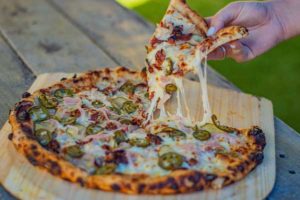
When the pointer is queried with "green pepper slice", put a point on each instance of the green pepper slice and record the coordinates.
(201, 135)
(170, 161)
(171, 88)
(108, 168)
(47, 101)
(139, 142)
(173, 133)
(119, 137)
(221, 127)
(128, 88)
(74, 151)
(169, 66)
(38, 114)
(115, 110)
(61, 93)
(126, 121)
(43, 136)
(129, 107)
(118, 102)
(66, 120)
(97, 104)
(93, 129)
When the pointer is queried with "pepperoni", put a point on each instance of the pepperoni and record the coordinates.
(111, 126)
(160, 57)
(155, 41)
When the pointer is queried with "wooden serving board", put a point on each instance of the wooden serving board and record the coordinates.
(235, 109)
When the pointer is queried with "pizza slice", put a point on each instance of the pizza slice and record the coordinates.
(178, 46)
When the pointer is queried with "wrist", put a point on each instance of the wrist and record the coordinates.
(286, 12)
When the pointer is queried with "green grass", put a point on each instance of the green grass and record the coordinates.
(274, 75)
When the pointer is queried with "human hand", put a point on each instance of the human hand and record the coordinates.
(262, 21)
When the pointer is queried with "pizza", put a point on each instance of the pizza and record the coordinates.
(179, 46)
(101, 129)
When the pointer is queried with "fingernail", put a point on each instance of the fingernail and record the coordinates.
(232, 46)
(211, 31)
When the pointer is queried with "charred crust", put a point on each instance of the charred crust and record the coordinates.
(256, 157)
(258, 136)
(74, 76)
(122, 69)
(33, 147)
(32, 160)
(27, 130)
(115, 187)
(10, 136)
(53, 167)
(63, 79)
(80, 181)
(26, 95)
(141, 188)
(172, 183)
(210, 177)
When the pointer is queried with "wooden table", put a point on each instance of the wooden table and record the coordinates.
(39, 36)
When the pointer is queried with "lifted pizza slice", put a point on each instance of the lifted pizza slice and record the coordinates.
(178, 46)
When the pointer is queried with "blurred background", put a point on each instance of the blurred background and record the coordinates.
(274, 75)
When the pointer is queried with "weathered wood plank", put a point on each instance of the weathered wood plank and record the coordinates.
(288, 163)
(120, 32)
(15, 78)
(45, 40)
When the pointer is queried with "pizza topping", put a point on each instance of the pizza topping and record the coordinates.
(120, 136)
(38, 114)
(201, 135)
(171, 88)
(174, 133)
(222, 127)
(129, 107)
(43, 136)
(170, 161)
(139, 142)
(48, 101)
(93, 129)
(61, 93)
(155, 139)
(108, 168)
(74, 151)
(97, 104)
(128, 88)
(169, 66)
(22, 110)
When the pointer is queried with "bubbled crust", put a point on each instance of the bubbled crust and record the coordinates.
(179, 181)
(222, 37)
(182, 7)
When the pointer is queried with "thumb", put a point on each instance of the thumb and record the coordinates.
(223, 18)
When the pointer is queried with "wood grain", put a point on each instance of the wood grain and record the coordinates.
(45, 40)
(15, 79)
(234, 108)
(121, 33)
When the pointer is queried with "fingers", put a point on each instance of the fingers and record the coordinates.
(223, 17)
(235, 50)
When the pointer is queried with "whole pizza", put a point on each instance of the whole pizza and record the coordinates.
(109, 129)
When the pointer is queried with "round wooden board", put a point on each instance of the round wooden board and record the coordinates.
(235, 109)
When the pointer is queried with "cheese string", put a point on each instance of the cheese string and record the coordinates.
(201, 63)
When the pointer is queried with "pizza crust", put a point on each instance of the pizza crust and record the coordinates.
(182, 7)
(178, 181)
